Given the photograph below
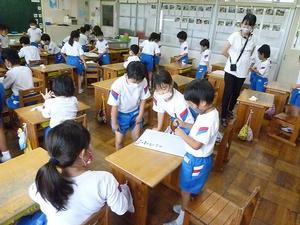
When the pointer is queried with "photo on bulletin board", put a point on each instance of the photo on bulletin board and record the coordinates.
(206, 22)
(270, 12)
(280, 12)
(223, 9)
(266, 27)
(198, 21)
(276, 27)
(257, 26)
(229, 23)
(241, 10)
(221, 23)
(259, 11)
(231, 9)
(200, 9)
(237, 24)
(191, 20)
(53, 4)
(249, 10)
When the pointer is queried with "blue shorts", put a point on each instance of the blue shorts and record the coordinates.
(194, 173)
(258, 83)
(186, 130)
(104, 59)
(184, 60)
(295, 97)
(85, 48)
(36, 44)
(75, 61)
(2, 97)
(148, 61)
(58, 58)
(127, 121)
(38, 218)
(156, 60)
(201, 71)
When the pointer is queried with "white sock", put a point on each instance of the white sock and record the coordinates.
(180, 218)
(5, 156)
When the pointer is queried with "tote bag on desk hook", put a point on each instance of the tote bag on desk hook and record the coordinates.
(101, 116)
(246, 133)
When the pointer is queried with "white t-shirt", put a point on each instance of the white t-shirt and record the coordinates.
(184, 48)
(127, 96)
(205, 57)
(176, 107)
(264, 67)
(205, 131)
(18, 78)
(74, 50)
(132, 58)
(150, 47)
(92, 189)
(60, 109)
(83, 40)
(4, 41)
(102, 46)
(53, 48)
(34, 34)
(30, 53)
(237, 42)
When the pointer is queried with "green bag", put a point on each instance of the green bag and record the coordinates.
(246, 133)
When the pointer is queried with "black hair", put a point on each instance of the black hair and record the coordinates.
(98, 33)
(162, 77)
(87, 27)
(265, 49)
(135, 49)
(154, 37)
(24, 40)
(33, 21)
(182, 35)
(82, 30)
(10, 55)
(96, 29)
(63, 86)
(45, 37)
(3, 27)
(250, 19)
(198, 91)
(64, 143)
(136, 70)
(74, 34)
(205, 43)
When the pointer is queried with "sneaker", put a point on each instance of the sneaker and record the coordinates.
(287, 129)
(230, 115)
(178, 221)
(224, 122)
(177, 208)
(5, 156)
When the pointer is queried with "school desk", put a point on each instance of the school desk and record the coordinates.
(178, 68)
(50, 71)
(116, 54)
(190, 60)
(113, 70)
(217, 66)
(35, 120)
(16, 46)
(144, 169)
(217, 81)
(264, 101)
(17, 175)
(281, 91)
(91, 57)
(125, 57)
(47, 57)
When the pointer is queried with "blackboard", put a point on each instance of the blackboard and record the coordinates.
(16, 14)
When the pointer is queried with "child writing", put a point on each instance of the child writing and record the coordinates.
(102, 47)
(204, 59)
(295, 95)
(183, 54)
(17, 77)
(34, 33)
(167, 99)
(133, 55)
(198, 160)
(52, 48)
(73, 55)
(29, 52)
(83, 39)
(261, 70)
(128, 98)
(65, 189)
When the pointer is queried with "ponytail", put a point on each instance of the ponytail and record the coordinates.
(74, 34)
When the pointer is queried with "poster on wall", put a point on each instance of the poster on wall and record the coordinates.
(53, 4)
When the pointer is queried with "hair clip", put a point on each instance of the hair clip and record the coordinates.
(53, 161)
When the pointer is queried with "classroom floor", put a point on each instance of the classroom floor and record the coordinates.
(274, 166)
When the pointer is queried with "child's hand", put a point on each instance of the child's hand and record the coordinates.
(179, 132)
(175, 124)
(48, 94)
(138, 119)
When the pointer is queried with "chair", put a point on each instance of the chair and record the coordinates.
(82, 120)
(221, 150)
(30, 96)
(99, 218)
(291, 119)
(92, 72)
(212, 208)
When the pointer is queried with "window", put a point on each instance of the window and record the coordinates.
(108, 15)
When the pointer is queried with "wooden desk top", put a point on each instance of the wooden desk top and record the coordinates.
(105, 84)
(118, 50)
(114, 66)
(279, 86)
(147, 166)
(264, 99)
(52, 67)
(217, 74)
(182, 80)
(219, 64)
(45, 54)
(17, 175)
(35, 117)
(178, 65)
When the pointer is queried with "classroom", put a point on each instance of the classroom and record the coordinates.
(150, 112)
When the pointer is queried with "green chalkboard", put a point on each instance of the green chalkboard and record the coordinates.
(17, 13)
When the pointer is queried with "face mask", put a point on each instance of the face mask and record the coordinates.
(245, 30)
(167, 96)
(33, 27)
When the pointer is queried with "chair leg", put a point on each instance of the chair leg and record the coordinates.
(187, 217)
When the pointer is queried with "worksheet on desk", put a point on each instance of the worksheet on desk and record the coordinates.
(162, 142)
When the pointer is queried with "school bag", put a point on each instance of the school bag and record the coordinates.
(101, 116)
(246, 133)
(270, 112)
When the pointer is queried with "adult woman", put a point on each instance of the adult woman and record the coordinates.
(238, 50)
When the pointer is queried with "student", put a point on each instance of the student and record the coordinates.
(204, 59)
(183, 54)
(167, 99)
(102, 47)
(83, 39)
(60, 103)
(29, 52)
(198, 160)
(128, 99)
(17, 77)
(157, 53)
(295, 95)
(261, 70)
(133, 55)
(149, 49)
(73, 55)
(4, 40)
(65, 189)
(52, 48)
(34, 33)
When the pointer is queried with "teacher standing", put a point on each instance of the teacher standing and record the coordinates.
(238, 50)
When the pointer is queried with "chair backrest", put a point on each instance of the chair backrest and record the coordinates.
(82, 120)
(228, 134)
(99, 218)
(32, 95)
(250, 207)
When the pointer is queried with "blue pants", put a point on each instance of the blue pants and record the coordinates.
(184, 60)
(58, 58)
(201, 71)
(194, 173)
(85, 48)
(295, 97)
(148, 61)
(127, 121)
(186, 130)
(104, 59)
(258, 83)
(75, 61)
(38, 218)
(2, 97)
(36, 44)
(156, 60)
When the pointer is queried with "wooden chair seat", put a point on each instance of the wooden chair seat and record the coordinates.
(93, 71)
(99, 218)
(286, 118)
(32, 95)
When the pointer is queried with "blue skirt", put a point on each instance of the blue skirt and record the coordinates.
(58, 58)
(75, 61)
(148, 61)
(295, 97)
